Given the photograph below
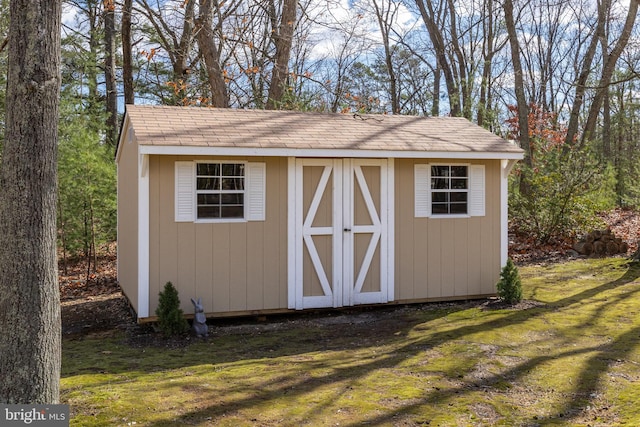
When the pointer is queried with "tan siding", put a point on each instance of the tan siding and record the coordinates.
(448, 264)
(405, 254)
(255, 265)
(446, 257)
(474, 255)
(461, 242)
(238, 265)
(221, 267)
(490, 234)
(231, 266)
(128, 217)
(204, 273)
(163, 255)
(274, 294)
(433, 260)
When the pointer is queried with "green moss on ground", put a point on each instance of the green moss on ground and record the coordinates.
(572, 358)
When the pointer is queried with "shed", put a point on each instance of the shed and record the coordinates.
(260, 212)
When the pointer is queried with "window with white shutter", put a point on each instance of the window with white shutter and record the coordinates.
(449, 190)
(220, 191)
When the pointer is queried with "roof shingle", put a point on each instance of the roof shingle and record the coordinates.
(213, 127)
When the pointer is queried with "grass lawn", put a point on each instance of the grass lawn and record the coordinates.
(569, 357)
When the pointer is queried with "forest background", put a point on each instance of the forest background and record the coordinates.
(561, 77)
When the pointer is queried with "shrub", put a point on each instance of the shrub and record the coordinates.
(510, 286)
(171, 319)
(564, 194)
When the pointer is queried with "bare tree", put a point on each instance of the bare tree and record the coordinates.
(109, 10)
(610, 61)
(211, 54)
(175, 34)
(385, 15)
(30, 303)
(434, 19)
(521, 101)
(283, 30)
(127, 54)
(584, 74)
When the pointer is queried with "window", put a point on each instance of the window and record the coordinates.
(446, 190)
(220, 190)
(449, 190)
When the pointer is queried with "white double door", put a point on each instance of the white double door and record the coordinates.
(341, 235)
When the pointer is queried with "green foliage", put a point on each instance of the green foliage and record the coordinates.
(565, 191)
(86, 187)
(510, 286)
(171, 319)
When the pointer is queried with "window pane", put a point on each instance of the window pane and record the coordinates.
(233, 183)
(458, 208)
(209, 169)
(459, 197)
(439, 208)
(232, 199)
(440, 183)
(440, 197)
(232, 212)
(208, 199)
(233, 169)
(439, 170)
(458, 183)
(212, 180)
(208, 212)
(208, 183)
(459, 171)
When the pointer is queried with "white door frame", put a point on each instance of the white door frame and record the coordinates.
(346, 174)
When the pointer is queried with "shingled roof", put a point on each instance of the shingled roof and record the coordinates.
(162, 129)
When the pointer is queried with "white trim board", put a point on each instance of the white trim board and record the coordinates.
(173, 150)
(143, 238)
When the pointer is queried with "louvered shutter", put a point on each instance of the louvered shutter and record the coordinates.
(422, 196)
(256, 191)
(185, 191)
(476, 190)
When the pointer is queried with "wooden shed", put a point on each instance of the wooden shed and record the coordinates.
(259, 211)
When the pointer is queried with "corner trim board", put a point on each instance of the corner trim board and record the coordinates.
(143, 237)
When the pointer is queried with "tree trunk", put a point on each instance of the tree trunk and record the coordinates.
(127, 60)
(110, 72)
(583, 77)
(385, 20)
(435, 107)
(607, 72)
(283, 42)
(487, 56)
(211, 55)
(30, 303)
(435, 35)
(523, 108)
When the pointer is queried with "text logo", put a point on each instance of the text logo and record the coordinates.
(36, 415)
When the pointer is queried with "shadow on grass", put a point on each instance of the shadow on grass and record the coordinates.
(319, 339)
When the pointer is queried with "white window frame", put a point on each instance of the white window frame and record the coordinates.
(244, 191)
(186, 192)
(475, 190)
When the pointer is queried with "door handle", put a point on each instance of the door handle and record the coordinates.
(347, 229)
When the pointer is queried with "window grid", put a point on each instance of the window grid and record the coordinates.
(220, 190)
(449, 190)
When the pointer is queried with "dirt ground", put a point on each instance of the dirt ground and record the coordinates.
(96, 304)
